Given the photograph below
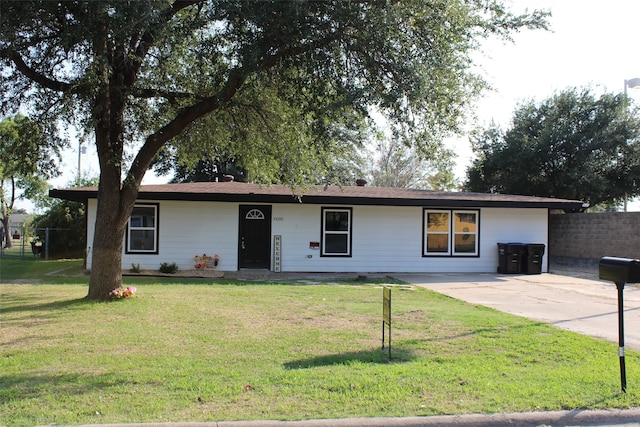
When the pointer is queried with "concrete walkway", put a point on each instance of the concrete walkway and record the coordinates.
(603, 418)
(587, 306)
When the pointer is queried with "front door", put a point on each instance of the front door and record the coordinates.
(255, 236)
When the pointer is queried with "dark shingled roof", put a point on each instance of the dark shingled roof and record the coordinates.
(346, 195)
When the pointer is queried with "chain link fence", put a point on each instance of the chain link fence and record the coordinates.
(45, 243)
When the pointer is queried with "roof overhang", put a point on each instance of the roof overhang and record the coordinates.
(366, 196)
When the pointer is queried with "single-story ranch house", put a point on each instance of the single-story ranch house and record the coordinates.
(324, 229)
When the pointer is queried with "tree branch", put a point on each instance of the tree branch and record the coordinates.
(207, 105)
(33, 75)
(170, 96)
(271, 60)
(148, 38)
(183, 119)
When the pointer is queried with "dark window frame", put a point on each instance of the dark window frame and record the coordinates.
(451, 233)
(324, 232)
(156, 231)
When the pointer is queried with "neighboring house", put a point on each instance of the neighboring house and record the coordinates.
(16, 223)
(332, 229)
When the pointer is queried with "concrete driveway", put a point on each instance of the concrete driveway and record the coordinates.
(587, 306)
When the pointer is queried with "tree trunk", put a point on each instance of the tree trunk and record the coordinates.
(116, 198)
(113, 212)
(106, 265)
(115, 201)
(5, 211)
(7, 232)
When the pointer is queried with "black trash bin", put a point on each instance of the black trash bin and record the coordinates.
(502, 258)
(511, 257)
(535, 251)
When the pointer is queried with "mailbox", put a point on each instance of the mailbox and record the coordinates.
(619, 270)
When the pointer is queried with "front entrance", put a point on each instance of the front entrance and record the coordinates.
(255, 237)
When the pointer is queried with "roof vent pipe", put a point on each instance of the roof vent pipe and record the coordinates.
(228, 178)
(361, 182)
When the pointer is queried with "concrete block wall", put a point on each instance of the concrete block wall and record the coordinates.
(582, 239)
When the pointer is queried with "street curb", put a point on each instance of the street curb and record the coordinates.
(578, 417)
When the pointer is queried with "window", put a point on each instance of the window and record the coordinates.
(438, 225)
(336, 232)
(142, 230)
(254, 214)
(451, 233)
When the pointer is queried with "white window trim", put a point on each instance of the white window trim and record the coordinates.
(425, 249)
(153, 228)
(325, 232)
(474, 233)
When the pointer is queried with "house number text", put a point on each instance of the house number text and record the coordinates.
(278, 218)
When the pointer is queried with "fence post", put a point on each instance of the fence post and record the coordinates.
(24, 239)
(46, 243)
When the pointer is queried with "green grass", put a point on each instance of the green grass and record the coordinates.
(186, 350)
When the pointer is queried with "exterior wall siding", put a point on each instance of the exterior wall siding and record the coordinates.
(384, 238)
(513, 225)
(186, 229)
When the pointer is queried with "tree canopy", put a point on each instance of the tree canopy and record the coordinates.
(281, 83)
(28, 155)
(397, 163)
(62, 228)
(573, 145)
(208, 170)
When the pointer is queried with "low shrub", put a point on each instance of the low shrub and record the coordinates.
(168, 268)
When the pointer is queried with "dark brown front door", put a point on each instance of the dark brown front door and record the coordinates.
(255, 236)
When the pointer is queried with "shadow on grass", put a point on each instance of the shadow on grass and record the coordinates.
(377, 356)
(20, 386)
(48, 306)
(489, 332)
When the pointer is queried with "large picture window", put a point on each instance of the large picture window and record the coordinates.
(336, 232)
(451, 232)
(142, 230)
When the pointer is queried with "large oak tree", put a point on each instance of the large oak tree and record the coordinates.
(572, 145)
(145, 75)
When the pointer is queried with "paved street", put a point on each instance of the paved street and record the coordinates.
(587, 306)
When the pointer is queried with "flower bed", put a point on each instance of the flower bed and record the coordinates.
(205, 261)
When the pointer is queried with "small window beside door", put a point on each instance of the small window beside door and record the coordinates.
(142, 230)
(336, 231)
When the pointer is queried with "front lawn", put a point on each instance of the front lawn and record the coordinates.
(203, 350)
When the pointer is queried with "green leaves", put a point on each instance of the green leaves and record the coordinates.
(399, 164)
(572, 145)
(281, 86)
(169, 64)
(29, 153)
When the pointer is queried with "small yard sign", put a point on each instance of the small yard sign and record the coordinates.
(386, 315)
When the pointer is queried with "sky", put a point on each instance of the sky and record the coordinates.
(590, 43)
